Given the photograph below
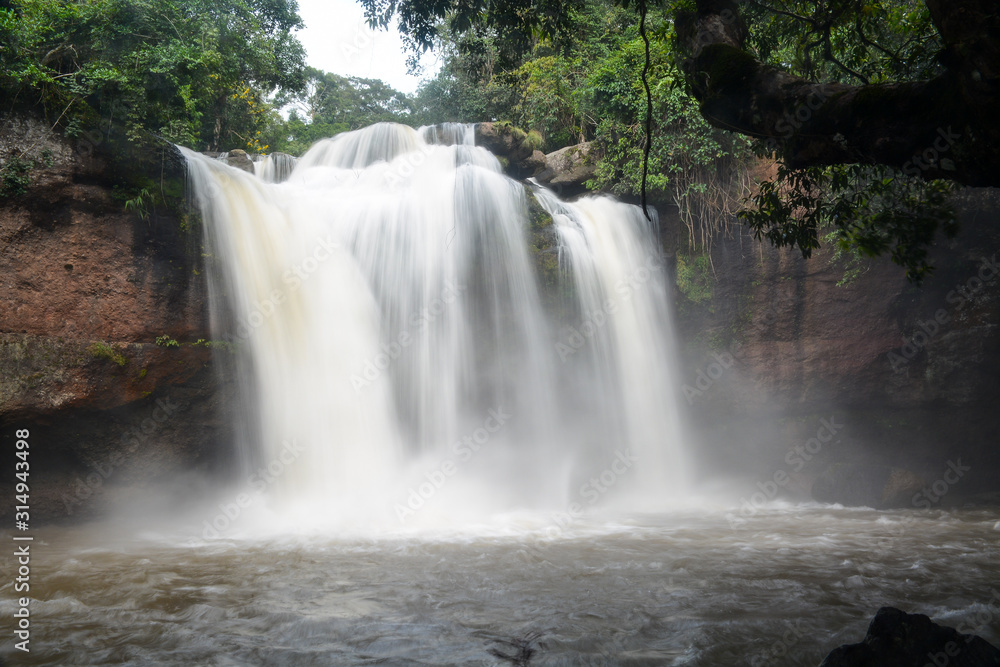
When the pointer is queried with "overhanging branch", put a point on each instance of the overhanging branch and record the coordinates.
(942, 128)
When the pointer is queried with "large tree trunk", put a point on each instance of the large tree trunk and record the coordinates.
(943, 128)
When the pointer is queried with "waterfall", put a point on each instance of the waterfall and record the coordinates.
(274, 168)
(629, 362)
(392, 344)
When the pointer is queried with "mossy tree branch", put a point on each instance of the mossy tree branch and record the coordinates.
(939, 128)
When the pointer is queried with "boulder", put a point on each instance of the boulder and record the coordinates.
(898, 639)
(881, 487)
(567, 169)
(505, 141)
(536, 162)
(239, 159)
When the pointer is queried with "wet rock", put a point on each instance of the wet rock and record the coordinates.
(567, 169)
(239, 159)
(901, 487)
(516, 149)
(881, 487)
(536, 163)
(898, 639)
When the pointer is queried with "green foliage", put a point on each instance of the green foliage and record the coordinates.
(194, 72)
(517, 25)
(102, 350)
(331, 104)
(139, 204)
(853, 263)
(694, 277)
(578, 78)
(224, 345)
(15, 176)
(167, 341)
(701, 170)
(589, 88)
(846, 40)
(872, 210)
(869, 211)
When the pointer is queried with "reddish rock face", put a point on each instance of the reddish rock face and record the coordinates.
(910, 371)
(76, 269)
(86, 288)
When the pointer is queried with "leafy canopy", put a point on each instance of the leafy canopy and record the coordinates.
(570, 70)
(196, 72)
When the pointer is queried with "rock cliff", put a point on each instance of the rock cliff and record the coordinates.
(88, 286)
(906, 373)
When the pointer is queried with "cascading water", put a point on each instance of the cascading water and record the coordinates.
(611, 252)
(390, 331)
(274, 168)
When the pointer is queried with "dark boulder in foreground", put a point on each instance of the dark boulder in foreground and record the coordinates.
(898, 639)
(880, 487)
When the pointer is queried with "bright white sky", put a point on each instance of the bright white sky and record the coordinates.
(338, 40)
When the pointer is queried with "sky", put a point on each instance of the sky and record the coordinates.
(337, 39)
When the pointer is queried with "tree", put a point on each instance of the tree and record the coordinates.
(196, 72)
(939, 127)
(331, 104)
(874, 110)
(903, 113)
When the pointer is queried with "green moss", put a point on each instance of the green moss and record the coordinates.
(507, 127)
(538, 218)
(694, 278)
(224, 345)
(533, 141)
(102, 350)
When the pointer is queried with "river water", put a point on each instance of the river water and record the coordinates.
(699, 586)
